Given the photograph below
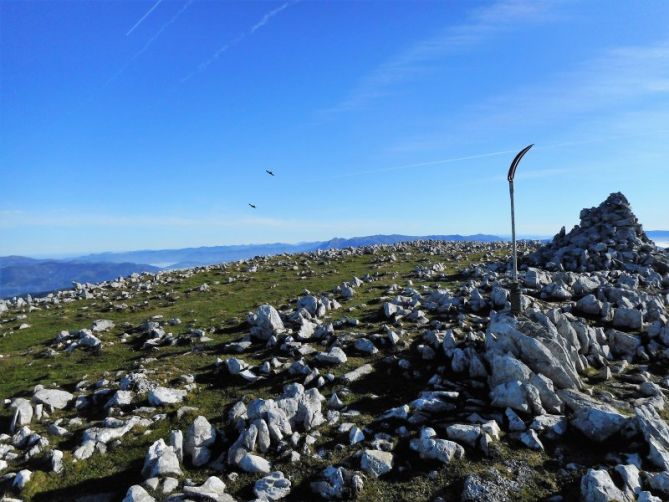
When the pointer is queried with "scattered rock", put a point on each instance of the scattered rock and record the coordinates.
(274, 486)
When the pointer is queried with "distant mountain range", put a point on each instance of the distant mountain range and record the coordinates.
(20, 275)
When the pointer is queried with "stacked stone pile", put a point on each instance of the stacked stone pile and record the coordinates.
(608, 237)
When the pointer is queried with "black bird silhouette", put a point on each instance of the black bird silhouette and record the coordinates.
(269, 172)
(252, 205)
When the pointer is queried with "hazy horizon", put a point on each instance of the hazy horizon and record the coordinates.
(77, 254)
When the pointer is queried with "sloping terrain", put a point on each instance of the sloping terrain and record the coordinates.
(379, 373)
(209, 255)
(20, 276)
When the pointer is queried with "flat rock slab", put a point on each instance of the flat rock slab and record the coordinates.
(358, 373)
(55, 398)
(376, 462)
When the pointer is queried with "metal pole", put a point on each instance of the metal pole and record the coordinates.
(515, 286)
(513, 234)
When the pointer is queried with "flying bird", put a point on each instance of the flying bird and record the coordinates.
(252, 205)
(269, 172)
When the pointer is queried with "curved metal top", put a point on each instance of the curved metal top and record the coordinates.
(516, 161)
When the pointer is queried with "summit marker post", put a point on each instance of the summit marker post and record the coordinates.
(515, 287)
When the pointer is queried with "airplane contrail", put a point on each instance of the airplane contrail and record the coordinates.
(424, 164)
(485, 155)
(153, 7)
(149, 42)
(263, 21)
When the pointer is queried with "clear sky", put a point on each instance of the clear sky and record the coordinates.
(149, 124)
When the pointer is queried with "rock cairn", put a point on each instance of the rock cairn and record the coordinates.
(608, 237)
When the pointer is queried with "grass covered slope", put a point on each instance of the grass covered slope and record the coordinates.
(221, 311)
(41, 344)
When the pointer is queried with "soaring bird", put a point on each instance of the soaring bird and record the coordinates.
(269, 172)
(253, 206)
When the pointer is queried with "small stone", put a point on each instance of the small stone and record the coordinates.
(254, 463)
(274, 486)
(169, 485)
(212, 489)
(531, 440)
(355, 435)
(161, 396)
(137, 494)
(22, 478)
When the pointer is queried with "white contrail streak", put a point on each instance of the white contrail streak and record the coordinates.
(263, 21)
(153, 7)
(148, 43)
(425, 164)
(162, 29)
(485, 155)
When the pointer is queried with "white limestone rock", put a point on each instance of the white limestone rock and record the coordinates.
(161, 460)
(254, 464)
(376, 462)
(597, 486)
(55, 398)
(274, 486)
(163, 396)
(137, 494)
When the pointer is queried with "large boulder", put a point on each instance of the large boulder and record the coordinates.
(376, 462)
(265, 322)
(656, 433)
(160, 461)
(596, 420)
(597, 486)
(200, 436)
(540, 347)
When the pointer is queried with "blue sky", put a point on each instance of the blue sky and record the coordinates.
(149, 124)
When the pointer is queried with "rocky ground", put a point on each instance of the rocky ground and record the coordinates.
(377, 373)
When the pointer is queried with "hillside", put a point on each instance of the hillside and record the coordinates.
(209, 255)
(385, 372)
(20, 276)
